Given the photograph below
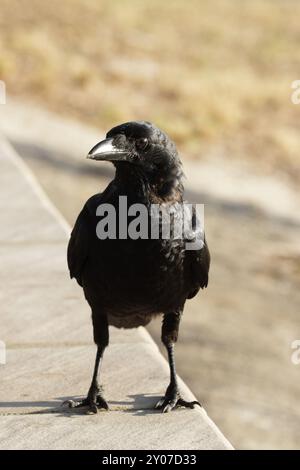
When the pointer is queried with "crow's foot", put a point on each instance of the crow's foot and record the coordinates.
(93, 404)
(173, 400)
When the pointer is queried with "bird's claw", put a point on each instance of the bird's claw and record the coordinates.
(170, 402)
(72, 403)
(93, 405)
(101, 403)
(93, 410)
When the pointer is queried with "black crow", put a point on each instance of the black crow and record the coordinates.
(129, 280)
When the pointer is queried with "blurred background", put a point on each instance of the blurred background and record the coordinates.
(216, 75)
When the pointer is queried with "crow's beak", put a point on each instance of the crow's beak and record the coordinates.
(107, 151)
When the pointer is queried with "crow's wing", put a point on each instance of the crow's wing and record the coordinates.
(198, 257)
(199, 266)
(78, 246)
(81, 238)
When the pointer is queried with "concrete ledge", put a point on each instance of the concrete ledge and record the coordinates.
(46, 326)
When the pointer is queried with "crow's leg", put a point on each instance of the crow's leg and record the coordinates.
(94, 399)
(172, 398)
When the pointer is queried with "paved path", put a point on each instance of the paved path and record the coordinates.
(47, 330)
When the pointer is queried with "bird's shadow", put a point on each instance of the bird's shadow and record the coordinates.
(138, 405)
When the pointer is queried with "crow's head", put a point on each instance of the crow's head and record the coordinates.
(142, 147)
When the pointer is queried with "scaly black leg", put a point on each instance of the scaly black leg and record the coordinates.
(172, 398)
(95, 399)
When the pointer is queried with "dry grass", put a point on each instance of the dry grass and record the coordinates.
(216, 74)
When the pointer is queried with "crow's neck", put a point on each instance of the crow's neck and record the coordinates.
(133, 182)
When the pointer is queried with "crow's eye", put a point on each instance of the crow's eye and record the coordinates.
(141, 143)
